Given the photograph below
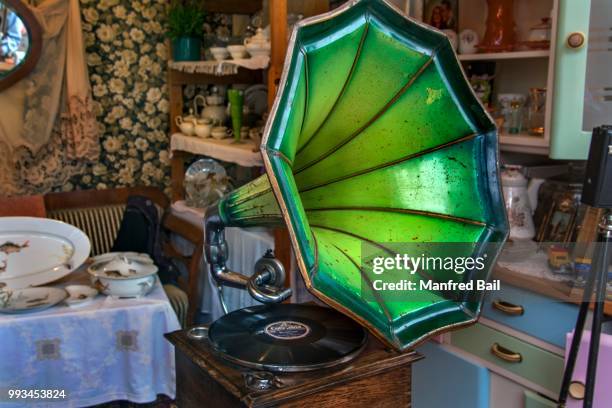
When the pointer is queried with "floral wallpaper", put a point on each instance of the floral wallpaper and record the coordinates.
(127, 56)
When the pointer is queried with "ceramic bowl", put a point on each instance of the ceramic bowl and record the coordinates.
(257, 50)
(79, 295)
(123, 275)
(219, 53)
(237, 51)
(203, 130)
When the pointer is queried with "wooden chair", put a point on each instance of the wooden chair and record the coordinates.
(99, 212)
(192, 262)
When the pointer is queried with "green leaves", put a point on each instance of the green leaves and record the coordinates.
(185, 19)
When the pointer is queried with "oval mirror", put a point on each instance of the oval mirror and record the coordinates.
(20, 41)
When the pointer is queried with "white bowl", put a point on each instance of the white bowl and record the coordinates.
(123, 275)
(219, 53)
(257, 50)
(236, 48)
(239, 55)
(237, 51)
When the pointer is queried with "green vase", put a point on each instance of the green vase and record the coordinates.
(236, 99)
(186, 49)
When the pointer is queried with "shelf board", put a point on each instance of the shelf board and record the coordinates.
(524, 143)
(491, 56)
(244, 76)
(233, 6)
(523, 139)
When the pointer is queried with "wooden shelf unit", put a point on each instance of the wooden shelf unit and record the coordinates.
(494, 56)
(233, 6)
(278, 36)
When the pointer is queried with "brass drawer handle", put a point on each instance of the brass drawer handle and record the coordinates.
(505, 354)
(508, 308)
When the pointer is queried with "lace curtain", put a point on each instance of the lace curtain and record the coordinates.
(48, 129)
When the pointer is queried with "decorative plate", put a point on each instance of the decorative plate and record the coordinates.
(30, 299)
(35, 251)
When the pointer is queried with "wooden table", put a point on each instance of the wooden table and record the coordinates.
(376, 378)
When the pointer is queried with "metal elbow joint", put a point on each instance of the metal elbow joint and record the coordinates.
(266, 283)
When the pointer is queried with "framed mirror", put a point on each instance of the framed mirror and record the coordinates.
(20, 41)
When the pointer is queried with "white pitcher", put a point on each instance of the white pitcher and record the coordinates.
(514, 186)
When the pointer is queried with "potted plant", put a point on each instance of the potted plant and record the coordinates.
(184, 28)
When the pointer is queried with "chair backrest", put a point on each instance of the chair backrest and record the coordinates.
(100, 224)
(98, 213)
(23, 206)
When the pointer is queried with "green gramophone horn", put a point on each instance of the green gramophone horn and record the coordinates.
(375, 139)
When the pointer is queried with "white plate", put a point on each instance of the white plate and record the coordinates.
(256, 98)
(32, 299)
(35, 251)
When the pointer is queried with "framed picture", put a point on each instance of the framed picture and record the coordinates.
(442, 14)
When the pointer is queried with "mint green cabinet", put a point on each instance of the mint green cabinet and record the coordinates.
(568, 139)
(533, 400)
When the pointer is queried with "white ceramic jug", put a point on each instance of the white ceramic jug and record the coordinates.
(514, 185)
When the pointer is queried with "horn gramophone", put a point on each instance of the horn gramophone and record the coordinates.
(375, 138)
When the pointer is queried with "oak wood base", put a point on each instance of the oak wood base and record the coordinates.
(377, 377)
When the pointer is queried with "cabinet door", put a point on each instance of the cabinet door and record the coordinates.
(533, 400)
(506, 393)
(444, 379)
(581, 73)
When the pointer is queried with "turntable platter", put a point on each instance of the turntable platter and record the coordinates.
(287, 337)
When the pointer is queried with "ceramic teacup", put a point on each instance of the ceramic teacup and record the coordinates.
(219, 53)
(203, 128)
(221, 132)
(237, 51)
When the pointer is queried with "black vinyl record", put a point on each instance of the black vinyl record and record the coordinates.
(287, 337)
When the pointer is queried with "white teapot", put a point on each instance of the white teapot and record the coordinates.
(214, 108)
(258, 45)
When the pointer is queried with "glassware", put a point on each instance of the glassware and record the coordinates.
(206, 181)
(536, 111)
(515, 123)
(236, 99)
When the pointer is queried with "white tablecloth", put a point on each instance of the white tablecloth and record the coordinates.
(244, 154)
(110, 349)
(219, 68)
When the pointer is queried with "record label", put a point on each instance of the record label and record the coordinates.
(287, 330)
